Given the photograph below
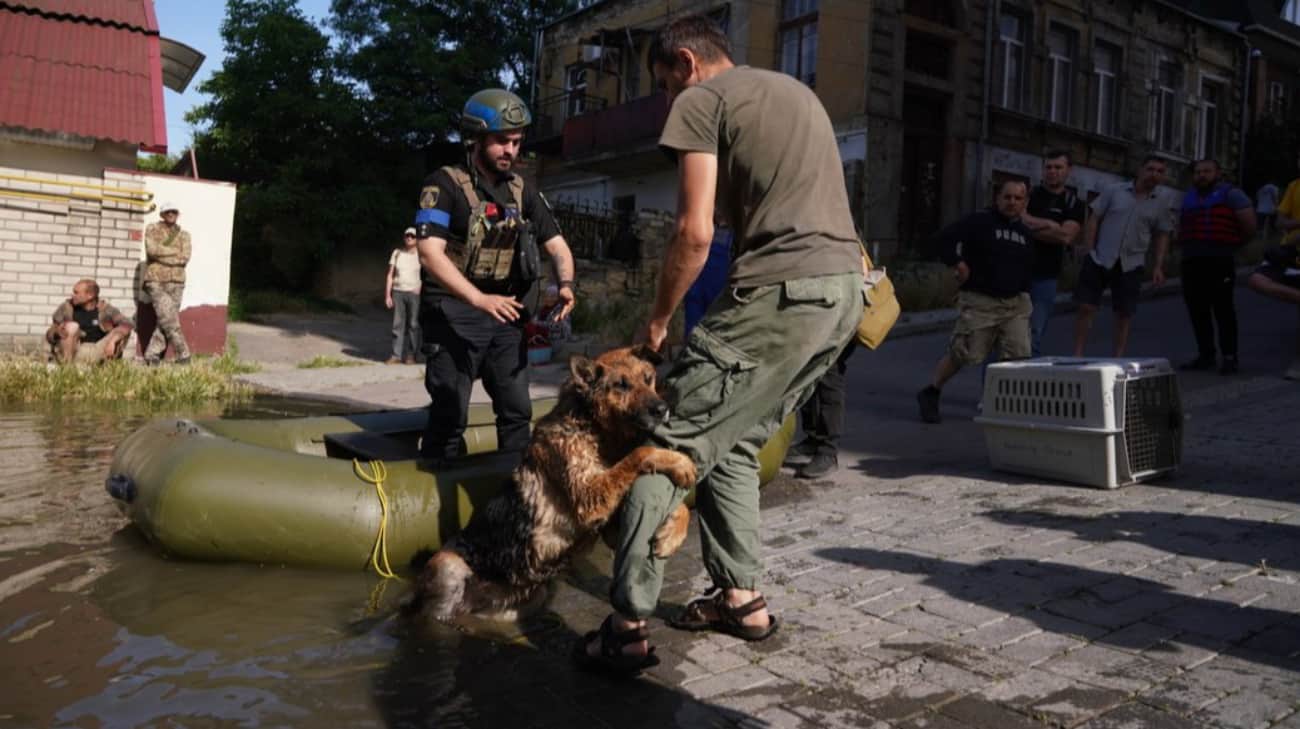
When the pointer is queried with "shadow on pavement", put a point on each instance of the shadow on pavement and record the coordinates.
(1242, 541)
(1046, 592)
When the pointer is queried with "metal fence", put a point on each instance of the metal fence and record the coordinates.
(595, 232)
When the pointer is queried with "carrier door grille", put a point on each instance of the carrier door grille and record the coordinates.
(1153, 423)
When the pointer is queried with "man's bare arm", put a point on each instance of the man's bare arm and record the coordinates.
(688, 250)
(562, 267)
(1247, 223)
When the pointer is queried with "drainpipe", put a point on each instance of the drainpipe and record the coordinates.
(993, 12)
(537, 54)
(1245, 109)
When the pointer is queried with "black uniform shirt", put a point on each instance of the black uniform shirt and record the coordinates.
(1048, 205)
(444, 204)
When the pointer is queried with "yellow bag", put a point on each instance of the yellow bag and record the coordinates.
(880, 305)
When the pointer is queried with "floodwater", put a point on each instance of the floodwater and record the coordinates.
(97, 629)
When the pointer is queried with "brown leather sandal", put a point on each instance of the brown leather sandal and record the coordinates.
(611, 659)
(729, 618)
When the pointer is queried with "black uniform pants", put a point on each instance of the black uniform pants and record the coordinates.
(822, 417)
(1208, 283)
(464, 344)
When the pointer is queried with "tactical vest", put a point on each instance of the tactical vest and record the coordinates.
(489, 250)
(1210, 220)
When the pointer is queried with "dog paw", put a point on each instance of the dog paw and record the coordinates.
(671, 534)
(677, 467)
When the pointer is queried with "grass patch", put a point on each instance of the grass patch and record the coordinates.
(248, 305)
(31, 380)
(325, 361)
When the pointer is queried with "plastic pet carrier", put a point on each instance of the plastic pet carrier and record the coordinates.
(1099, 422)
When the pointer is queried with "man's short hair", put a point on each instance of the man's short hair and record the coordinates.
(1209, 160)
(1054, 153)
(1153, 157)
(91, 284)
(695, 33)
(1010, 181)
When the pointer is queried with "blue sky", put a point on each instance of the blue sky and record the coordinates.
(197, 23)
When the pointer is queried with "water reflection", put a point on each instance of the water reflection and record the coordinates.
(98, 629)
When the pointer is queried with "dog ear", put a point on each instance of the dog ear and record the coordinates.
(644, 352)
(584, 371)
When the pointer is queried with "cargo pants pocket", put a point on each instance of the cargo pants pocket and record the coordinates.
(709, 372)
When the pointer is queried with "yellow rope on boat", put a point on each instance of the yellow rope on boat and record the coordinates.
(379, 555)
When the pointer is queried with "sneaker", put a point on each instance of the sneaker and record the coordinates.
(928, 399)
(800, 453)
(1200, 363)
(410, 359)
(1229, 366)
(151, 362)
(393, 360)
(821, 466)
(183, 361)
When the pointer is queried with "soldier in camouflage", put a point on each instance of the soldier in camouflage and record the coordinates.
(87, 328)
(167, 250)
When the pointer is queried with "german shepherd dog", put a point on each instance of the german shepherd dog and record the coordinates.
(581, 461)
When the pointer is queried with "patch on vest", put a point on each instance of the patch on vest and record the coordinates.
(429, 197)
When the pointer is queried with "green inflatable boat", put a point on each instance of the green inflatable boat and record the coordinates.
(287, 491)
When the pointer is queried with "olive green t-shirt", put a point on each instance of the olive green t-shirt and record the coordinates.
(780, 178)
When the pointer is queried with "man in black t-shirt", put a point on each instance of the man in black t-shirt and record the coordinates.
(474, 273)
(1055, 217)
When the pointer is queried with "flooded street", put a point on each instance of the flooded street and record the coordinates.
(97, 629)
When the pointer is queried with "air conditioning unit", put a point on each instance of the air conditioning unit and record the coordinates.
(1097, 422)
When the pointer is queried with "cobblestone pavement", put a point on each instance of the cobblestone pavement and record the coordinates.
(919, 588)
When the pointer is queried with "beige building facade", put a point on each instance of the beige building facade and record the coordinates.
(934, 100)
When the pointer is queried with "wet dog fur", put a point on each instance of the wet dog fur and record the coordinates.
(581, 461)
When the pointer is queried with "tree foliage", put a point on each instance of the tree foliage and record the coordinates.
(156, 163)
(1271, 148)
(327, 143)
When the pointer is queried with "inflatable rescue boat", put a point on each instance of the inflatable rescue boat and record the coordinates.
(303, 491)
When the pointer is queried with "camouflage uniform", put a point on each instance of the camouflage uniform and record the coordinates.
(164, 280)
(109, 317)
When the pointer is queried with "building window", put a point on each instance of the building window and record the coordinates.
(1166, 99)
(798, 41)
(1009, 62)
(575, 87)
(1060, 72)
(1105, 68)
(1291, 12)
(1212, 98)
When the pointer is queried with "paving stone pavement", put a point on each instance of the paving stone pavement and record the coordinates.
(977, 599)
(919, 588)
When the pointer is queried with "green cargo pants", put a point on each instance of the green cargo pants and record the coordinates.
(752, 360)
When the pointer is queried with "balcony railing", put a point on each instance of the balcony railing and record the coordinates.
(618, 129)
(553, 111)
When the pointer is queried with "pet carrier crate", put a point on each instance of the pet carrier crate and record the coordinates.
(1099, 422)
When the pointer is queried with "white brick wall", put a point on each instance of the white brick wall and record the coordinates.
(47, 245)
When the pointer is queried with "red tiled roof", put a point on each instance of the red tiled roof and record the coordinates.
(136, 14)
(92, 68)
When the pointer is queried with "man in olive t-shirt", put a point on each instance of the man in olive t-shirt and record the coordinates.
(763, 143)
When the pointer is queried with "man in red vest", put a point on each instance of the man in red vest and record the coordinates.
(1217, 219)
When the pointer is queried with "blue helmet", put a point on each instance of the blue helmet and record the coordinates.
(493, 110)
